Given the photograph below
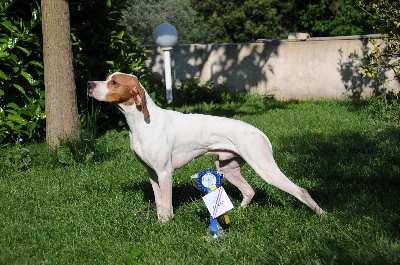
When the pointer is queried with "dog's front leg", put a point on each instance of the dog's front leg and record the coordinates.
(156, 190)
(165, 184)
(162, 188)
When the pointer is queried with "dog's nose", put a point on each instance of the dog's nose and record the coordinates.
(90, 85)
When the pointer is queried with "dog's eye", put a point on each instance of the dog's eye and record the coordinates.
(113, 82)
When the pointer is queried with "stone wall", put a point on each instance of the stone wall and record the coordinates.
(286, 69)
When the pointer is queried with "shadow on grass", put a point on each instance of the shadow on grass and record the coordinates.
(187, 193)
(357, 174)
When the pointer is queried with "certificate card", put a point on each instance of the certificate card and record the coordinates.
(218, 202)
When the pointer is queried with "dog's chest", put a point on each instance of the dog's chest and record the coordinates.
(135, 143)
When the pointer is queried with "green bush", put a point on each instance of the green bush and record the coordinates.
(21, 75)
(189, 92)
(385, 55)
(15, 158)
(385, 107)
(78, 152)
(192, 91)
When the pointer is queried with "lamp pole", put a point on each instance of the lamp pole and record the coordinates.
(166, 35)
(168, 74)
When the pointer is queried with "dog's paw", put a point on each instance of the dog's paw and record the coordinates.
(323, 214)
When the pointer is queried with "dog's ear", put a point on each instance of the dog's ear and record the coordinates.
(140, 100)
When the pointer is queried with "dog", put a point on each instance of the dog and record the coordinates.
(164, 140)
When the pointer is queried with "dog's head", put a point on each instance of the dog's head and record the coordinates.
(120, 88)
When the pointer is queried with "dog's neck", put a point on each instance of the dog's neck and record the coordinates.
(134, 114)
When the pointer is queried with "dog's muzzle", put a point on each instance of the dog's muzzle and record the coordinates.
(90, 86)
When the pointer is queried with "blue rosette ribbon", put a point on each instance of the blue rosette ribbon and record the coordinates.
(208, 181)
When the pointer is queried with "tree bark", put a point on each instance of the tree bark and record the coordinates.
(62, 122)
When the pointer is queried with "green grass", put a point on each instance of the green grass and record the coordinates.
(100, 212)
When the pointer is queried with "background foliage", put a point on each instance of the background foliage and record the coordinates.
(208, 21)
(334, 18)
(100, 46)
(106, 36)
(141, 18)
(248, 21)
(385, 55)
(21, 71)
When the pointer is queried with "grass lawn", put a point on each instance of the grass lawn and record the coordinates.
(101, 212)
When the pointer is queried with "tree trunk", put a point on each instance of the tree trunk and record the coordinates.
(62, 122)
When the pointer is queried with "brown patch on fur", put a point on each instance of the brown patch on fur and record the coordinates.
(127, 90)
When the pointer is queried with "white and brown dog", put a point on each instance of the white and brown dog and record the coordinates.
(165, 140)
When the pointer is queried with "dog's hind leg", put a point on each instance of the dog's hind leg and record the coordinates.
(273, 175)
(278, 179)
(231, 170)
(258, 154)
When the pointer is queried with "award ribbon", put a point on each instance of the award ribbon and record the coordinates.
(209, 181)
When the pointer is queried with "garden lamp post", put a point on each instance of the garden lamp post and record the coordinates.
(165, 36)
